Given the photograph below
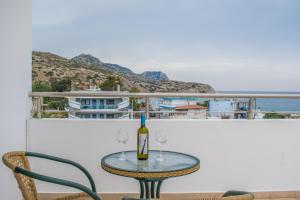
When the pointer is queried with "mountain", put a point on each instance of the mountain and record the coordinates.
(155, 75)
(87, 59)
(85, 71)
(119, 68)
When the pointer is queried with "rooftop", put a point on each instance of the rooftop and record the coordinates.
(191, 107)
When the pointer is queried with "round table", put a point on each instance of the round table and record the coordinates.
(150, 172)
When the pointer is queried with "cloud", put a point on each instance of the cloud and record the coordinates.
(229, 44)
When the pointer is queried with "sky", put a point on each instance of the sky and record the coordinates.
(233, 45)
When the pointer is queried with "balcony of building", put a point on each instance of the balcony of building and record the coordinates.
(255, 155)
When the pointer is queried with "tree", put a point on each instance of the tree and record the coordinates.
(63, 85)
(57, 103)
(41, 86)
(274, 116)
(134, 90)
(135, 105)
(56, 86)
(111, 83)
(205, 103)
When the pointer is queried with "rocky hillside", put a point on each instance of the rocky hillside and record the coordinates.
(85, 71)
(87, 59)
(155, 75)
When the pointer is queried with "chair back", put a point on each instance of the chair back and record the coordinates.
(26, 184)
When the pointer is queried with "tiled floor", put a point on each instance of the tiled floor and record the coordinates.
(282, 195)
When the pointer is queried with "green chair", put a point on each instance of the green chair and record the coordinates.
(17, 161)
(237, 195)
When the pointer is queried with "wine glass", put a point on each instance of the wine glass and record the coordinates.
(122, 139)
(161, 139)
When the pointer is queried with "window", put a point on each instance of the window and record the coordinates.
(110, 116)
(110, 101)
(85, 102)
(85, 116)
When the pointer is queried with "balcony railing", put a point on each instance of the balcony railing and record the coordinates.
(99, 107)
(123, 104)
(74, 104)
(250, 99)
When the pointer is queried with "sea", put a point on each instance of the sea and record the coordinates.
(290, 105)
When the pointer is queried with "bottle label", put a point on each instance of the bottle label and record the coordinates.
(143, 144)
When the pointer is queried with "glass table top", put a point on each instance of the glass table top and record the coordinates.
(173, 161)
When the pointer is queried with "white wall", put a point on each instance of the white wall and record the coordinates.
(15, 83)
(235, 154)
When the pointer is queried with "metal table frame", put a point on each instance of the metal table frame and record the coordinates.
(150, 182)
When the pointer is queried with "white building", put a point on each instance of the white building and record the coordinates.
(191, 112)
(99, 107)
(221, 109)
(172, 103)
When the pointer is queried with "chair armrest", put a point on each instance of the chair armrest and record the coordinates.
(58, 181)
(62, 160)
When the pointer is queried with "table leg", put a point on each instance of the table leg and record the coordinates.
(152, 191)
(158, 189)
(141, 189)
(147, 189)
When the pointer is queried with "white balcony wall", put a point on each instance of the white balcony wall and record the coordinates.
(251, 155)
(15, 83)
(74, 104)
(123, 104)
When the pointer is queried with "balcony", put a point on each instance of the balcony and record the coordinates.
(252, 155)
(123, 104)
(99, 107)
(76, 105)
(243, 154)
(222, 106)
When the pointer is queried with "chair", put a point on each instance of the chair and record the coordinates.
(237, 195)
(17, 161)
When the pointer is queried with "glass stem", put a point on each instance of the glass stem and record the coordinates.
(160, 153)
(123, 155)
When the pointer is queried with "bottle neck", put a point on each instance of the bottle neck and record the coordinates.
(143, 121)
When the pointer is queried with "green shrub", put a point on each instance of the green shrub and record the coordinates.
(57, 103)
(55, 115)
(111, 83)
(274, 116)
(40, 86)
(63, 85)
(134, 90)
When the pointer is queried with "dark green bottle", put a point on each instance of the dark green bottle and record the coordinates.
(143, 140)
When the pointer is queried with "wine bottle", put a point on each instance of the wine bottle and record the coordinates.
(143, 140)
